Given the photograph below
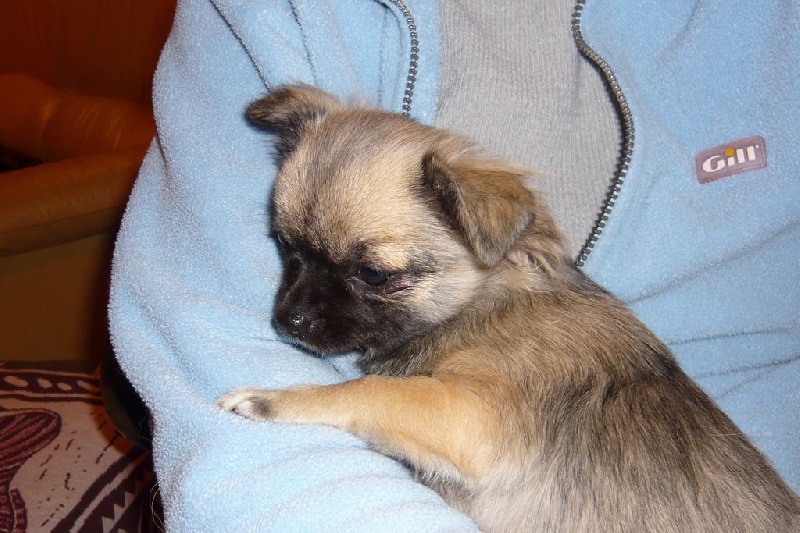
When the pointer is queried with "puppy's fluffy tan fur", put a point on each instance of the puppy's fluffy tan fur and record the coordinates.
(518, 389)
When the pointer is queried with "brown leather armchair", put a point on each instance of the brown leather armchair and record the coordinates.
(76, 118)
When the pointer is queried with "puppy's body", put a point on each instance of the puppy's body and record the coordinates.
(523, 393)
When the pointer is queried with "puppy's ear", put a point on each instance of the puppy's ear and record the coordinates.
(289, 111)
(486, 201)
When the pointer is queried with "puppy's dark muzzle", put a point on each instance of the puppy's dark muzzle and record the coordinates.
(296, 325)
(315, 309)
(320, 333)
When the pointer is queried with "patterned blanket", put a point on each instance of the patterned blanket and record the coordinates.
(63, 465)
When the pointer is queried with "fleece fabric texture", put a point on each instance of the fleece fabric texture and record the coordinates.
(711, 268)
(195, 271)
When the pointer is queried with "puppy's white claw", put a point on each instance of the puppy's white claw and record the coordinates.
(249, 403)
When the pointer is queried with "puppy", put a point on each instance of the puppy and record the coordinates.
(522, 392)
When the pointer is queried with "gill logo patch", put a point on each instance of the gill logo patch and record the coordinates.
(732, 158)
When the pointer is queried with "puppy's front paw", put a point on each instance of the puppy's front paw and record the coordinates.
(249, 403)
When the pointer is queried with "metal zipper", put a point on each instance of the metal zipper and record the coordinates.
(411, 79)
(627, 135)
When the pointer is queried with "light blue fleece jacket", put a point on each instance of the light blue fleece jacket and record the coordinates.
(713, 268)
(710, 267)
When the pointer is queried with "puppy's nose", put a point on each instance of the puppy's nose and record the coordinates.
(295, 325)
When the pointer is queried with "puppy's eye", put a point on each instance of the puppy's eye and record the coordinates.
(373, 277)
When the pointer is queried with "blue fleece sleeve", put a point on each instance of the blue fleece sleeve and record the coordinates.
(194, 277)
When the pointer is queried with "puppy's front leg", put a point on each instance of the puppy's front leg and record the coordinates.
(441, 426)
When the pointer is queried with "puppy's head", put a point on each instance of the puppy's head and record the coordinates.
(388, 227)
